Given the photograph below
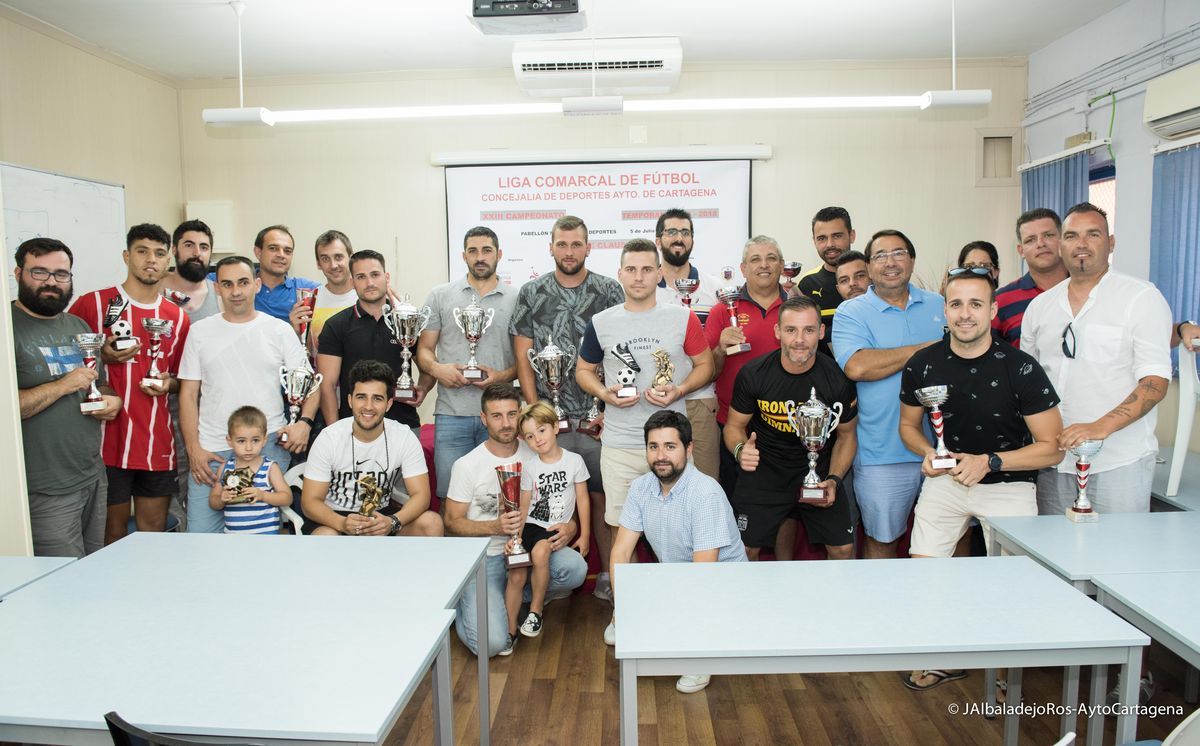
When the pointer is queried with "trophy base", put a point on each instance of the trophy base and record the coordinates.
(946, 462)
(564, 426)
(405, 395)
(737, 349)
(473, 374)
(517, 561)
(627, 392)
(1080, 516)
(124, 343)
(91, 406)
(588, 427)
(240, 501)
(812, 494)
(153, 382)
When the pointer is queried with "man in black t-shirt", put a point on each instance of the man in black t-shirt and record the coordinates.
(771, 457)
(832, 236)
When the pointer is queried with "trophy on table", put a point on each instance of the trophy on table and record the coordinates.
(157, 329)
(298, 384)
(117, 325)
(791, 270)
(590, 423)
(626, 375)
(307, 296)
(729, 296)
(551, 365)
(406, 322)
(1082, 511)
(664, 370)
(89, 344)
(371, 494)
(933, 397)
(813, 422)
(473, 321)
(240, 480)
(510, 500)
(685, 286)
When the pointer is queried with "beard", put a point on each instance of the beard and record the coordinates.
(192, 270)
(47, 300)
(568, 272)
(667, 473)
(482, 271)
(676, 260)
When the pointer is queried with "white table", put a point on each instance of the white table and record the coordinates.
(320, 593)
(1165, 606)
(1188, 497)
(17, 572)
(810, 617)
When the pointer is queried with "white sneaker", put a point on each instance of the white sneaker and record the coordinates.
(692, 683)
(610, 634)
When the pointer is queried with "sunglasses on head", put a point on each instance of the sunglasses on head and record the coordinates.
(977, 271)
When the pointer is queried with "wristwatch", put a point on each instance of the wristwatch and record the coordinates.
(1179, 327)
(307, 421)
(994, 462)
(396, 525)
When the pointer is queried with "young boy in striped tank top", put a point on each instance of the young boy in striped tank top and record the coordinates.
(253, 509)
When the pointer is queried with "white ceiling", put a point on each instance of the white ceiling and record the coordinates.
(192, 39)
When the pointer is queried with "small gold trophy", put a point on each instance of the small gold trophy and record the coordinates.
(240, 479)
(371, 493)
(664, 370)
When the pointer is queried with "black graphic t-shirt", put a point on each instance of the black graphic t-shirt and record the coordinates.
(989, 397)
(764, 390)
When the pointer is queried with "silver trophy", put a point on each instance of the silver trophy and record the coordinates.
(157, 329)
(626, 375)
(933, 397)
(551, 365)
(685, 287)
(590, 423)
(89, 345)
(298, 385)
(729, 296)
(473, 321)
(813, 422)
(406, 322)
(791, 270)
(1081, 511)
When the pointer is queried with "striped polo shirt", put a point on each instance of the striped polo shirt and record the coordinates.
(1011, 302)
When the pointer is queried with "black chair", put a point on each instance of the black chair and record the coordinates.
(125, 734)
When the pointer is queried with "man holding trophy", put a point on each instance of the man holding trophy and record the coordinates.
(786, 405)
(139, 445)
(465, 346)
(61, 439)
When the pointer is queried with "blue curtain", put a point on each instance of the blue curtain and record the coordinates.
(1175, 230)
(1059, 185)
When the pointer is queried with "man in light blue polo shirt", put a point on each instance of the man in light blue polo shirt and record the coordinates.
(277, 297)
(683, 513)
(875, 335)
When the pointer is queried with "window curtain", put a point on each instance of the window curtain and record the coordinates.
(1175, 230)
(1059, 185)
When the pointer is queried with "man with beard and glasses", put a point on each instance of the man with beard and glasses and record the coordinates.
(557, 307)
(443, 350)
(682, 513)
(771, 456)
(368, 444)
(675, 237)
(473, 509)
(139, 445)
(832, 236)
(192, 243)
(63, 469)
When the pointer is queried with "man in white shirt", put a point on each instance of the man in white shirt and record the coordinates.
(232, 360)
(1103, 338)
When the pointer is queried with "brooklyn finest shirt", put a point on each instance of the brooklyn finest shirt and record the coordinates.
(989, 398)
(704, 300)
(340, 459)
(765, 391)
(552, 487)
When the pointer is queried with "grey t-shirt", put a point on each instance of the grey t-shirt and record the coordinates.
(62, 445)
(546, 310)
(495, 346)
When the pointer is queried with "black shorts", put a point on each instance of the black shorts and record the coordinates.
(532, 534)
(309, 525)
(124, 484)
(832, 526)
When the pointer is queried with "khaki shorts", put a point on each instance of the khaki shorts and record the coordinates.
(945, 509)
(706, 436)
(619, 467)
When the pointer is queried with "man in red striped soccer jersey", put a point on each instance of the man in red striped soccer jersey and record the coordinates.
(138, 446)
(1038, 233)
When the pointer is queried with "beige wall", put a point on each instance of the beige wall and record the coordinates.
(66, 110)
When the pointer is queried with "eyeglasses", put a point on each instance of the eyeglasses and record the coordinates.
(1068, 351)
(675, 232)
(977, 271)
(883, 257)
(41, 274)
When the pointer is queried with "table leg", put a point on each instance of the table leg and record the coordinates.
(1191, 685)
(1131, 680)
(481, 642)
(1012, 718)
(443, 697)
(989, 691)
(1070, 698)
(629, 694)
(1096, 696)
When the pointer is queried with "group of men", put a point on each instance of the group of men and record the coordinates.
(693, 398)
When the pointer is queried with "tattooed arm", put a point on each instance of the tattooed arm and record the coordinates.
(1149, 392)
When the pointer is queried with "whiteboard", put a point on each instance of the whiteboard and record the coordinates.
(88, 216)
(617, 201)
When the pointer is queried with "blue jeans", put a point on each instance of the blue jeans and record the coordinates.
(202, 519)
(567, 572)
(454, 436)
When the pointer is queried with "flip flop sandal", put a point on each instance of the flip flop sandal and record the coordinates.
(939, 677)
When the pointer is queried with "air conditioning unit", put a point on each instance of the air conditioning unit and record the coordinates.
(1172, 108)
(622, 66)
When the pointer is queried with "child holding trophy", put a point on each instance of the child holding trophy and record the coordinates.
(553, 487)
(252, 486)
